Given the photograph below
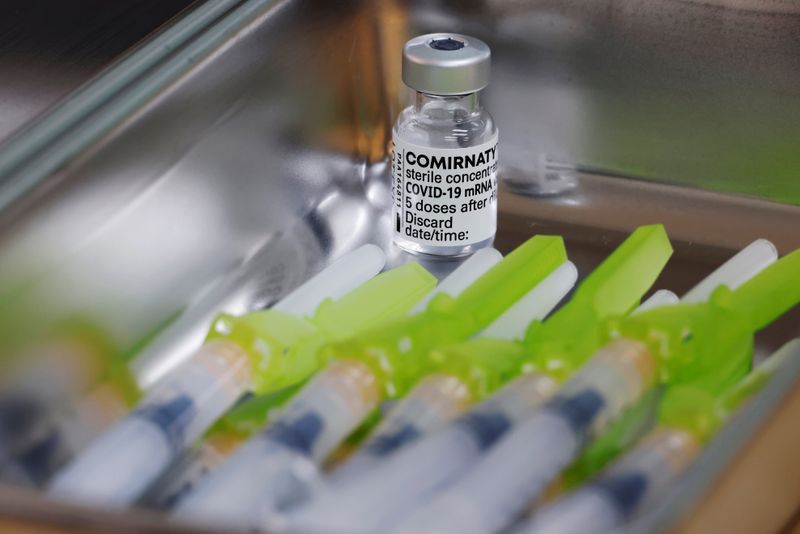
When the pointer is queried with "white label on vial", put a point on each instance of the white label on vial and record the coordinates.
(444, 196)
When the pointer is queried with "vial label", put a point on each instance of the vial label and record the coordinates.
(444, 196)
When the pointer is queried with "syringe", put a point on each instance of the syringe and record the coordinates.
(643, 475)
(613, 379)
(121, 463)
(244, 419)
(604, 505)
(262, 351)
(634, 423)
(251, 415)
(460, 374)
(63, 434)
(691, 344)
(381, 496)
(275, 469)
(43, 377)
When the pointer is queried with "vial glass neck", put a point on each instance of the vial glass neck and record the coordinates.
(439, 105)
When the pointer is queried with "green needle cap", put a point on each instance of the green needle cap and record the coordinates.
(698, 411)
(692, 409)
(771, 293)
(284, 348)
(710, 345)
(706, 351)
(732, 400)
(482, 364)
(562, 343)
(397, 352)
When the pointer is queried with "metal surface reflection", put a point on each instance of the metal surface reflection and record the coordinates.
(702, 93)
(50, 48)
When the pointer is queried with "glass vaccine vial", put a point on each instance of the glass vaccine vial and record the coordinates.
(444, 149)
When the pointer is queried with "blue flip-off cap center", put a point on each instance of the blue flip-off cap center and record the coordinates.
(447, 44)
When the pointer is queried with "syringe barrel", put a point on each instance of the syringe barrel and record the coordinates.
(524, 461)
(638, 478)
(120, 465)
(276, 467)
(434, 401)
(585, 510)
(381, 496)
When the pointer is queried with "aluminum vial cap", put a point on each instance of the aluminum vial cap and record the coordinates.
(446, 64)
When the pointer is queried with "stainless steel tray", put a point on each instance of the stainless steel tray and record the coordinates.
(249, 155)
